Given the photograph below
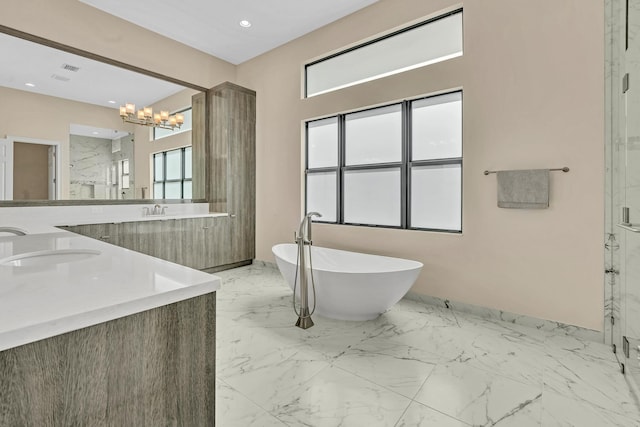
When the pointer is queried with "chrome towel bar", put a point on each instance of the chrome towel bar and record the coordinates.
(564, 169)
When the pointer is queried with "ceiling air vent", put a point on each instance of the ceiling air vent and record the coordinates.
(60, 78)
(70, 68)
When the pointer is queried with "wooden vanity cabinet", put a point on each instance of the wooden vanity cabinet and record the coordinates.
(200, 243)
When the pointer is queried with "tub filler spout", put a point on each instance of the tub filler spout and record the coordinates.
(305, 268)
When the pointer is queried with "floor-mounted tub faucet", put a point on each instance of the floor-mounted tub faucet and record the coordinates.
(304, 232)
(303, 239)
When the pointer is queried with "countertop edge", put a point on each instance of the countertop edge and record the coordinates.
(111, 220)
(37, 332)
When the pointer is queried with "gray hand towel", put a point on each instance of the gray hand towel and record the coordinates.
(523, 189)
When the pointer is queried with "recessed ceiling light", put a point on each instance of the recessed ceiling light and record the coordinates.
(30, 84)
(244, 23)
(112, 102)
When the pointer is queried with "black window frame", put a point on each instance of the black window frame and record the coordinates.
(405, 165)
(164, 181)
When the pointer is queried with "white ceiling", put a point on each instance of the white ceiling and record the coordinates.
(96, 83)
(94, 132)
(212, 26)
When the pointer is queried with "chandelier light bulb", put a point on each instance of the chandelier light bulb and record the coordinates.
(146, 117)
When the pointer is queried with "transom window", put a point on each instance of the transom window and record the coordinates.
(159, 133)
(435, 40)
(172, 174)
(394, 166)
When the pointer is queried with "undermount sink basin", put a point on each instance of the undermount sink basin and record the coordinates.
(15, 231)
(49, 257)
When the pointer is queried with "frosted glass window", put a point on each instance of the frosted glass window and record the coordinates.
(322, 143)
(172, 190)
(188, 173)
(374, 136)
(434, 41)
(372, 197)
(437, 127)
(158, 189)
(159, 133)
(158, 167)
(174, 164)
(188, 190)
(436, 197)
(321, 195)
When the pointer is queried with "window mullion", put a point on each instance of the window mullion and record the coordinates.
(182, 175)
(405, 182)
(340, 169)
(164, 175)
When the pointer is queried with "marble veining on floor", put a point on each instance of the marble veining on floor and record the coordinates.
(416, 365)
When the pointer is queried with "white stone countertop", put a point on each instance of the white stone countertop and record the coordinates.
(44, 219)
(41, 301)
(110, 219)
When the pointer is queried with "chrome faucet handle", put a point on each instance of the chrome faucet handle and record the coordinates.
(164, 210)
(145, 211)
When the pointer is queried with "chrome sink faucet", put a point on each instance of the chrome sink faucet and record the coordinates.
(156, 210)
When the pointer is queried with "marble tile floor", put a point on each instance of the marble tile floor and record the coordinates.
(416, 365)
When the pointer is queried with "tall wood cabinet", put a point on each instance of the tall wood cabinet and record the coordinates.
(224, 163)
(231, 171)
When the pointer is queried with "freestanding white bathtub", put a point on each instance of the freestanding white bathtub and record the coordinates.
(350, 285)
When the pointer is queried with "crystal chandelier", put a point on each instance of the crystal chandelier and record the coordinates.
(146, 117)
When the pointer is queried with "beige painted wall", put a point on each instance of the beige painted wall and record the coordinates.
(28, 115)
(532, 75)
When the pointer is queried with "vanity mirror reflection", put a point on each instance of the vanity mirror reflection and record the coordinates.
(61, 132)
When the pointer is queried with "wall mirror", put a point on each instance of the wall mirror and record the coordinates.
(62, 137)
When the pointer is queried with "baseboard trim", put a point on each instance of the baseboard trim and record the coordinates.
(227, 266)
(505, 316)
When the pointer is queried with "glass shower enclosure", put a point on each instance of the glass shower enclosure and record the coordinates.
(622, 239)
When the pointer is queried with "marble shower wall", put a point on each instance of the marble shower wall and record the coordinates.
(94, 170)
(614, 148)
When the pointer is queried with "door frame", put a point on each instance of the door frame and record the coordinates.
(9, 170)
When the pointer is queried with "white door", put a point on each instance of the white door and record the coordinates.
(6, 169)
